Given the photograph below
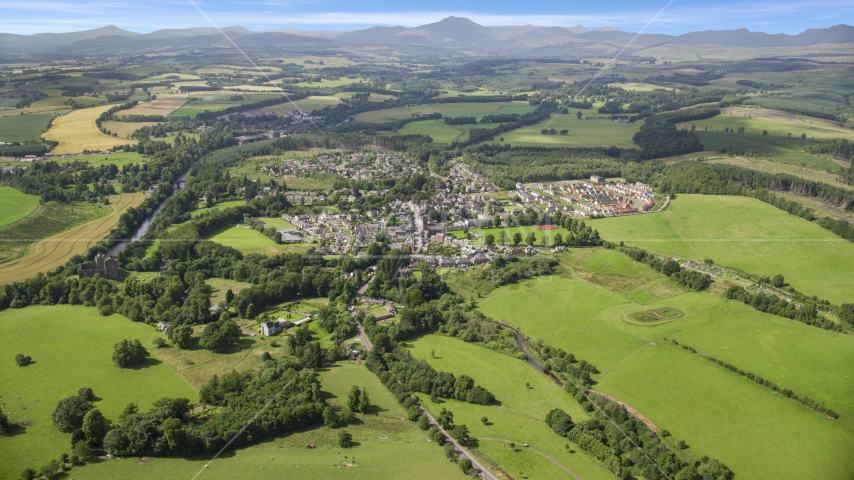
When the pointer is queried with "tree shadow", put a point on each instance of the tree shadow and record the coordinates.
(15, 430)
(374, 410)
(148, 362)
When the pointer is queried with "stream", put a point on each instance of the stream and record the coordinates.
(143, 227)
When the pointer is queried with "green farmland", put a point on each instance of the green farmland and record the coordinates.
(249, 240)
(746, 234)
(387, 445)
(71, 348)
(595, 132)
(23, 128)
(15, 205)
(439, 131)
(765, 434)
(476, 110)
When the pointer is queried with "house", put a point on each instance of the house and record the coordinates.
(271, 328)
(598, 179)
(161, 326)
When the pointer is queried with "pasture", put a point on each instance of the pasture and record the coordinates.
(435, 129)
(23, 128)
(220, 286)
(746, 234)
(387, 445)
(15, 205)
(766, 435)
(476, 110)
(520, 417)
(125, 129)
(249, 240)
(76, 131)
(71, 348)
(221, 206)
(54, 251)
(596, 132)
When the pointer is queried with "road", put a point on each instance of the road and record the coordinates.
(484, 473)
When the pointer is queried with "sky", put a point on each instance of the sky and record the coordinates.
(679, 16)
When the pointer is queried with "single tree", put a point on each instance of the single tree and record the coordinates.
(181, 336)
(778, 281)
(531, 238)
(95, 426)
(445, 419)
(23, 360)
(490, 239)
(345, 439)
(86, 393)
(69, 413)
(578, 114)
(465, 465)
(517, 238)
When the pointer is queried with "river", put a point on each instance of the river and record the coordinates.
(143, 228)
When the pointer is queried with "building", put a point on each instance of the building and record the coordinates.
(598, 179)
(271, 328)
(162, 326)
(107, 267)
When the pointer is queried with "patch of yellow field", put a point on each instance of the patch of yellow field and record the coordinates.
(639, 87)
(76, 131)
(123, 129)
(160, 106)
(52, 252)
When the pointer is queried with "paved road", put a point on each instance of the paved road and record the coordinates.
(352, 309)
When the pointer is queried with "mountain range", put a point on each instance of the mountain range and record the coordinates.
(448, 35)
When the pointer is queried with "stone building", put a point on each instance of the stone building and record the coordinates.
(107, 267)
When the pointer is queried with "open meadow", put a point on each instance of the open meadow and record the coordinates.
(76, 131)
(15, 205)
(746, 234)
(71, 348)
(308, 104)
(476, 110)
(520, 417)
(439, 131)
(249, 240)
(22, 128)
(595, 132)
(387, 444)
(49, 253)
(765, 435)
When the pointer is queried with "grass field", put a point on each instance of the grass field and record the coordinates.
(435, 129)
(387, 445)
(582, 133)
(278, 223)
(765, 435)
(15, 205)
(308, 104)
(446, 109)
(76, 131)
(746, 234)
(521, 414)
(22, 128)
(71, 348)
(221, 206)
(222, 285)
(54, 251)
(248, 240)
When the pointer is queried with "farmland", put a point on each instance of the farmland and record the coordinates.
(54, 251)
(387, 445)
(524, 403)
(76, 131)
(682, 392)
(595, 132)
(476, 110)
(308, 104)
(77, 353)
(124, 129)
(248, 240)
(746, 234)
(22, 128)
(435, 129)
(15, 205)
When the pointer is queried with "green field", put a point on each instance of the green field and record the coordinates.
(439, 131)
(446, 109)
(15, 205)
(387, 446)
(595, 132)
(222, 285)
(278, 223)
(72, 347)
(22, 128)
(754, 121)
(221, 206)
(765, 435)
(249, 240)
(521, 414)
(747, 234)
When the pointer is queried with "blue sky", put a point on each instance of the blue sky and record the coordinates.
(35, 16)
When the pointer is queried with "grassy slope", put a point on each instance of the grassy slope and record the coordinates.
(522, 412)
(582, 133)
(448, 109)
(764, 435)
(15, 205)
(20, 128)
(72, 347)
(387, 446)
(747, 234)
(222, 285)
(435, 129)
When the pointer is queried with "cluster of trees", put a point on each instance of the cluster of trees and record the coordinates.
(293, 400)
(626, 445)
(553, 131)
(557, 360)
(461, 120)
(505, 165)
(129, 352)
(769, 303)
(499, 118)
(691, 279)
(766, 383)
(658, 138)
(52, 181)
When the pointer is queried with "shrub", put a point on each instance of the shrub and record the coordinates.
(23, 360)
(86, 393)
(345, 439)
